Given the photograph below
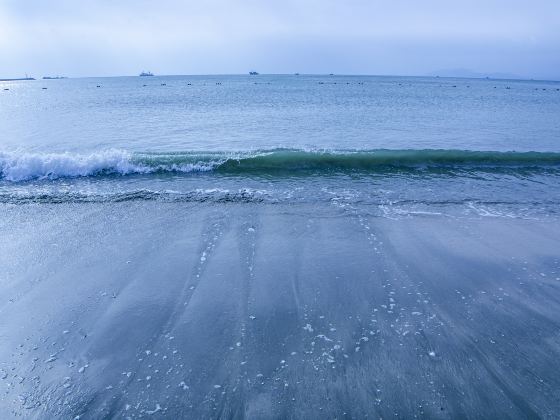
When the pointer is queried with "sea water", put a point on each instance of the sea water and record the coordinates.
(279, 247)
(386, 141)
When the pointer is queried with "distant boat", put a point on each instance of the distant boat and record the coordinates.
(253, 73)
(146, 73)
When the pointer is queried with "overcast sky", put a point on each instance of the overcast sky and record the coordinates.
(404, 37)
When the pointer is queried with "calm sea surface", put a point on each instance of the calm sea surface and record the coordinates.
(231, 113)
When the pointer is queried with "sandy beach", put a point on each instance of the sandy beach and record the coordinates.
(275, 311)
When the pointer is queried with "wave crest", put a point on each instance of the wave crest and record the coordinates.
(26, 166)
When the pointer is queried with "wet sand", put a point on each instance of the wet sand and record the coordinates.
(170, 310)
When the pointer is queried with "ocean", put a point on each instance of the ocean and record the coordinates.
(279, 246)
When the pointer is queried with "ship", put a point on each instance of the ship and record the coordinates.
(146, 73)
(253, 73)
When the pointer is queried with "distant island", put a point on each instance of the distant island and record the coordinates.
(13, 80)
(146, 73)
(470, 74)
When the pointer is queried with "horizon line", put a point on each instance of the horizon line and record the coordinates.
(431, 76)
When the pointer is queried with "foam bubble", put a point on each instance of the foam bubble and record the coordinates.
(26, 166)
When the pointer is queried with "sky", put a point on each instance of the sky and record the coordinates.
(392, 37)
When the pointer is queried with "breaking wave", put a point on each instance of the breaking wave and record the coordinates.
(16, 166)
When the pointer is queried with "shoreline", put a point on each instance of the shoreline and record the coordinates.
(247, 309)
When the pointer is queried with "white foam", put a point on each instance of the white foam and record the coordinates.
(16, 166)
(24, 166)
